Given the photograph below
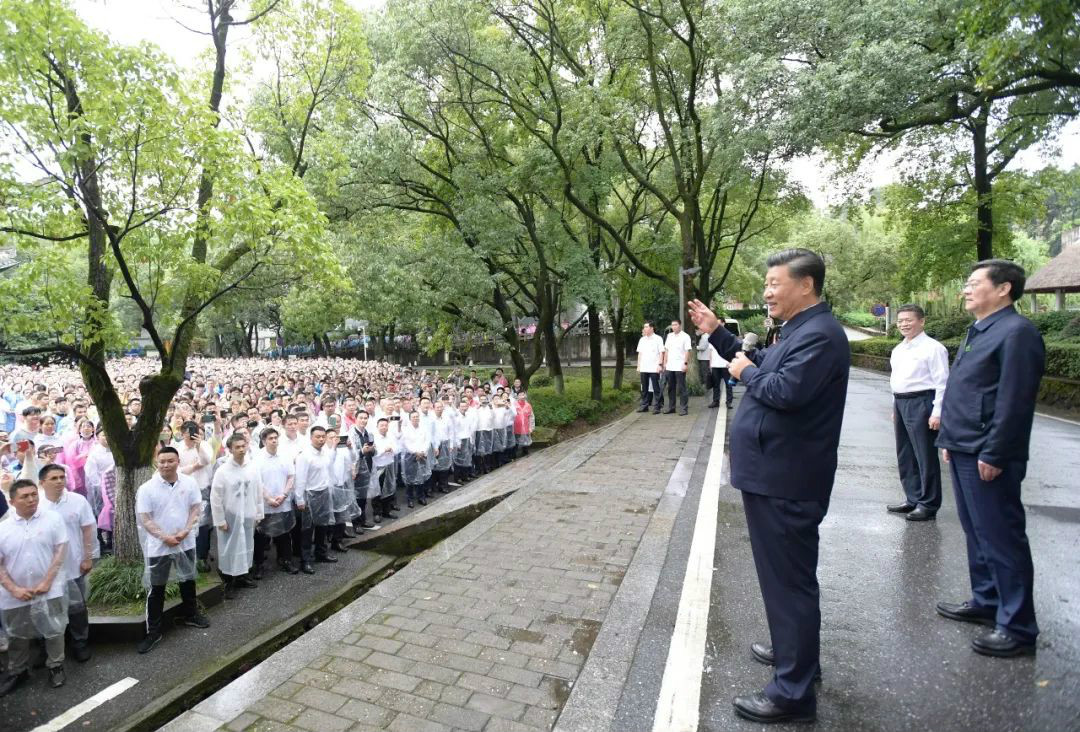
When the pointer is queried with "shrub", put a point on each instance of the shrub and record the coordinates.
(1062, 359)
(540, 380)
(944, 327)
(1052, 323)
(859, 319)
(1071, 331)
(556, 410)
(114, 583)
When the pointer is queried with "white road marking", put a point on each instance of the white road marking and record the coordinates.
(1059, 419)
(109, 692)
(680, 691)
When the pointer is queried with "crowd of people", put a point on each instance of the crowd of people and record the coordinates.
(255, 453)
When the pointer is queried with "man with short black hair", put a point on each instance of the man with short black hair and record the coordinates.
(33, 544)
(168, 507)
(312, 496)
(919, 370)
(986, 419)
(784, 442)
(650, 350)
(674, 363)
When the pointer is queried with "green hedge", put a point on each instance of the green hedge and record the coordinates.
(1062, 359)
(557, 410)
(859, 319)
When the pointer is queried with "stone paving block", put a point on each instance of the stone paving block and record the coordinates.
(459, 718)
(369, 629)
(463, 663)
(429, 689)
(367, 713)
(393, 680)
(455, 695)
(513, 674)
(495, 706)
(407, 723)
(485, 684)
(499, 724)
(375, 643)
(326, 701)
(432, 672)
(537, 717)
(287, 689)
(344, 667)
(382, 660)
(532, 696)
(242, 722)
(459, 647)
(553, 668)
(446, 631)
(276, 709)
(424, 639)
(406, 623)
(357, 689)
(506, 658)
(488, 638)
(318, 721)
(408, 704)
(317, 679)
(352, 653)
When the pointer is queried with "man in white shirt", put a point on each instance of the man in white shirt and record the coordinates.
(676, 360)
(277, 475)
(33, 544)
(197, 461)
(80, 525)
(920, 368)
(719, 376)
(168, 507)
(650, 350)
(383, 471)
(312, 496)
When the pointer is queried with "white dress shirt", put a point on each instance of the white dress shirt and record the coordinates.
(920, 364)
(678, 346)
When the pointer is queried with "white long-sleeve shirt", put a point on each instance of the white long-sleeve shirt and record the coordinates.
(920, 364)
(312, 472)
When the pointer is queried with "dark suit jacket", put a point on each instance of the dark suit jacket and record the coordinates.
(787, 429)
(989, 401)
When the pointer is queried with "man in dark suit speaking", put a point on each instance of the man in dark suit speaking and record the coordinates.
(783, 458)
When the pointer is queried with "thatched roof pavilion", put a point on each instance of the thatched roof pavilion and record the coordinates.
(1061, 274)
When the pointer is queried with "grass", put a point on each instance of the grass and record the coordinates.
(116, 588)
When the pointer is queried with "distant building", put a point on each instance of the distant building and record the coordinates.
(1061, 275)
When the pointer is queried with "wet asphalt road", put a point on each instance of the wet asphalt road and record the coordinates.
(890, 662)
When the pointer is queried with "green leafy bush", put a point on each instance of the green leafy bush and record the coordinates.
(1052, 323)
(944, 327)
(556, 410)
(1062, 359)
(859, 319)
(1071, 331)
(543, 379)
(114, 583)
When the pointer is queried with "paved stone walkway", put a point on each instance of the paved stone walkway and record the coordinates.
(488, 630)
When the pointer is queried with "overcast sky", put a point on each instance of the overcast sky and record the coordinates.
(131, 21)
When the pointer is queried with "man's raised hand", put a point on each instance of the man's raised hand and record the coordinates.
(703, 318)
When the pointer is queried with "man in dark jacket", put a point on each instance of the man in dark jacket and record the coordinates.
(784, 440)
(986, 419)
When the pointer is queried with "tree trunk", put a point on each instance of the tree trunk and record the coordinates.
(618, 315)
(984, 206)
(596, 367)
(125, 532)
(551, 355)
(317, 344)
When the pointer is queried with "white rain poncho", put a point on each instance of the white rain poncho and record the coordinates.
(313, 486)
(169, 508)
(274, 473)
(342, 494)
(383, 467)
(202, 475)
(498, 434)
(236, 500)
(444, 440)
(464, 428)
(362, 481)
(415, 442)
(74, 511)
(27, 549)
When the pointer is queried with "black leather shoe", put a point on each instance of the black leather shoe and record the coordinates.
(306, 568)
(327, 559)
(760, 708)
(656, 411)
(904, 507)
(12, 682)
(246, 583)
(422, 501)
(999, 644)
(410, 503)
(670, 411)
(80, 652)
(764, 654)
(714, 405)
(149, 642)
(643, 409)
(921, 514)
(965, 612)
(289, 567)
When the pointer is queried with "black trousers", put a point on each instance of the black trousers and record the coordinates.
(155, 599)
(313, 543)
(647, 396)
(916, 456)
(676, 383)
(999, 556)
(283, 545)
(784, 540)
(202, 543)
(720, 381)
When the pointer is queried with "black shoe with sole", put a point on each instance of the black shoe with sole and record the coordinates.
(1000, 644)
(14, 681)
(670, 411)
(325, 559)
(921, 514)
(643, 409)
(306, 568)
(339, 548)
(198, 620)
(246, 583)
(904, 507)
(57, 677)
(289, 567)
(714, 405)
(760, 708)
(965, 612)
(149, 642)
(80, 652)
(422, 501)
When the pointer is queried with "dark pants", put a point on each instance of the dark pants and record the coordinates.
(676, 383)
(78, 626)
(155, 600)
(441, 479)
(720, 381)
(313, 543)
(647, 396)
(202, 543)
(297, 533)
(999, 557)
(920, 472)
(703, 372)
(784, 540)
(283, 545)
